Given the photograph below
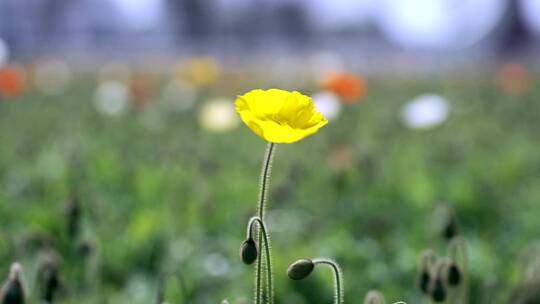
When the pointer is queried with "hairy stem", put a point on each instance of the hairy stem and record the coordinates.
(338, 279)
(265, 177)
(458, 246)
(268, 256)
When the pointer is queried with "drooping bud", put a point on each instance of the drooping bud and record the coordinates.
(13, 292)
(423, 278)
(73, 214)
(450, 228)
(438, 291)
(300, 269)
(453, 275)
(423, 281)
(248, 251)
(49, 280)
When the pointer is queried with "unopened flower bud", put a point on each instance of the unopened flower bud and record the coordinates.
(423, 281)
(248, 251)
(13, 292)
(450, 229)
(424, 277)
(73, 214)
(438, 292)
(453, 275)
(49, 280)
(300, 269)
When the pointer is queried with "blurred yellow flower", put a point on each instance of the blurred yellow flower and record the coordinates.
(198, 71)
(279, 116)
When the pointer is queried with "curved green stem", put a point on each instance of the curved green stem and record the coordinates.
(427, 259)
(265, 177)
(268, 257)
(440, 265)
(338, 279)
(459, 246)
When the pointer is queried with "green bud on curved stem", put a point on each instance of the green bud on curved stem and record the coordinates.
(265, 177)
(300, 269)
(453, 275)
(457, 251)
(13, 291)
(303, 268)
(427, 259)
(249, 253)
(437, 288)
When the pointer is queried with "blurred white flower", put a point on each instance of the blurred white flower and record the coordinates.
(52, 77)
(178, 96)
(4, 52)
(218, 115)
(216, 265)
(328, 104)
(111, 97)
(425, 111)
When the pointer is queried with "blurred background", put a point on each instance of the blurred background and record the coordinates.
(125, 171)
(374, 34)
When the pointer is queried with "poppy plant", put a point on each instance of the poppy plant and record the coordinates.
(277, 116)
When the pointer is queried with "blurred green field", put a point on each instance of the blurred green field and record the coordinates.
(177, 198)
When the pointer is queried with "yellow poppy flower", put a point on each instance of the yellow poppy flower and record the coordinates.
(279, 116)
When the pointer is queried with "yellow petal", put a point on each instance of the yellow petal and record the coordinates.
(279, 116)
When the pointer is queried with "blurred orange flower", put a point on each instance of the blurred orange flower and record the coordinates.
(11, 81)
(350, 88)
(142, 89)
(513, 78)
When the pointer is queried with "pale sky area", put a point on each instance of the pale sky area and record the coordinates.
(409, 23)
(140, 14)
